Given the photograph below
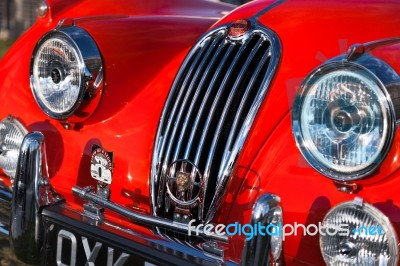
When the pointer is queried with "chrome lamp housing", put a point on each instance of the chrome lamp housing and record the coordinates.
(343, 119)
(66, 67)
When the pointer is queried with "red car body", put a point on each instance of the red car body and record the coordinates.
(143, 45)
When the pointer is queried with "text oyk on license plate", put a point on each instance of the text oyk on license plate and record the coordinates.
(73, 247)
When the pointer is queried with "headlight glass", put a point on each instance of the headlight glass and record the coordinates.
(66, 66)
(370, 239)
(12, 133)
(343, 121)
(57, 75)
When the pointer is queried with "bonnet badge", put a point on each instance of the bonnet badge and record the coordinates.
(238, 28)
(184, 184)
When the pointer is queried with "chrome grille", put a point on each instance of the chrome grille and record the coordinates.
(209, 112)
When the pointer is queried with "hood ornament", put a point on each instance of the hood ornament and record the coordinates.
(239, 28)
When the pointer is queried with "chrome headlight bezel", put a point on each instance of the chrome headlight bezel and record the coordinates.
(336, 173)
(88, 63)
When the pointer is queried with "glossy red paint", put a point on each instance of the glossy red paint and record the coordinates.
(310, 34)
(143, 45)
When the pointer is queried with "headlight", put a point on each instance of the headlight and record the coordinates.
(66, 66)
(12, 133)
(370, 238)
(343, 121)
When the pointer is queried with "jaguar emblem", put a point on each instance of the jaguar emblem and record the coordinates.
(182, 181)
(184, 184)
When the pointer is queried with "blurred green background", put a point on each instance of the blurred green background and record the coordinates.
(4, 45)
(15, 17)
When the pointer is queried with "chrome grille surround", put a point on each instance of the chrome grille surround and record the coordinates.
(210, 110)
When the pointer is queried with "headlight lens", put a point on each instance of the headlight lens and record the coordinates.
(12, 133)
(57, 75)
(65, 64)
(371, 239)
(343, 121)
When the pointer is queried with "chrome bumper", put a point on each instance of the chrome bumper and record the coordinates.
(31, 192)
(20, 209)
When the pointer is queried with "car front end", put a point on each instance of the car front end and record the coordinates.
(160, 133)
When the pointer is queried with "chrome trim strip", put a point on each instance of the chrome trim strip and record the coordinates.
(31, 192)
(87, 195)
(265, 10)
(257, 250)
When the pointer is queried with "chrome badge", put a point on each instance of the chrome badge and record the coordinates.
(184, 185)
(101, 168)
(101, 165)
(238, 28)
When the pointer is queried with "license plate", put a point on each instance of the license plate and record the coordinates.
(69, 247)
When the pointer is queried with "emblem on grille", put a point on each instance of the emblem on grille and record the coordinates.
(182, 181)
(239, 28)
(184, 184)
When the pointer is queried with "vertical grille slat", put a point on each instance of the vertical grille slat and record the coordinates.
(198, 74)
(193, 100)
(222, 86)
(208, 115)
(226, 108)
(236, 120)
(202, 63)
(206, 96)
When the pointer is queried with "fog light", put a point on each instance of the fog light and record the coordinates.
(12, 133)
(357, 233)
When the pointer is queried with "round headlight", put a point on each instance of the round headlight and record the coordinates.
(65, 65)
(12, 133)
(343, 121)
(357, 233)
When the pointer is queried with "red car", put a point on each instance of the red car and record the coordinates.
(157, 133)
